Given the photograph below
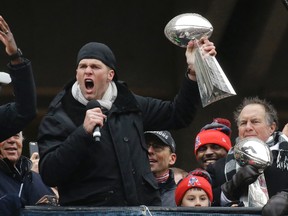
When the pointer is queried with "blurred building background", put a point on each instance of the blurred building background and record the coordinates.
(250, 36)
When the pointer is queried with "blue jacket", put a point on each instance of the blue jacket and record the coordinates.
(10, 205)
(27, 184)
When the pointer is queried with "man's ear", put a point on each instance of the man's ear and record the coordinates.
(272, 128)
(173, 158)
(111, 74)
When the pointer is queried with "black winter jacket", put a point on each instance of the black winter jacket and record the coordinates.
(167, 191)
(16, 115)
(116, 170)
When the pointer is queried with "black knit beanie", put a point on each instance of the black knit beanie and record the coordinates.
(100, 51)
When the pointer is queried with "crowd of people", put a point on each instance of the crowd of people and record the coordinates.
(102, 145)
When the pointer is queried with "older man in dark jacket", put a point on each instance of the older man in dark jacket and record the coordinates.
(231, 182)
(19, 185)
(111, 170)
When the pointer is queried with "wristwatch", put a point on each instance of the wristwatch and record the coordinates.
(17, 55)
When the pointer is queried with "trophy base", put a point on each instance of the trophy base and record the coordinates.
(215, 95)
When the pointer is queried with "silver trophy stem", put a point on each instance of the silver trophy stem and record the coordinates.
(212, 81)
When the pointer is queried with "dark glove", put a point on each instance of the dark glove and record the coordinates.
(277, 205)
(245, 176)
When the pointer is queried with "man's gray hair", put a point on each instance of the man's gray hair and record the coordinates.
(271, 113)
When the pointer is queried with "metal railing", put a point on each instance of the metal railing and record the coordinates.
(141, 210)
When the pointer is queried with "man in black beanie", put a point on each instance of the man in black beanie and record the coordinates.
(98, 51)
(91, 142)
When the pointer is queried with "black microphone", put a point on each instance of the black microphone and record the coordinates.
(96, 133)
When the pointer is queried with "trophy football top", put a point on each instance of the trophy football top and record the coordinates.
(185, 27)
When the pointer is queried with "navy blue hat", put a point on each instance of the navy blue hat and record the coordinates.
(100, 51)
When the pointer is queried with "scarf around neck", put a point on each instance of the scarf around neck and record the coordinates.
(106, 101)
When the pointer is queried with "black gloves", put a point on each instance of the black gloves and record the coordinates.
(245, 176)
(277, 205)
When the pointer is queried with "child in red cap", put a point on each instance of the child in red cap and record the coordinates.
(194, 190)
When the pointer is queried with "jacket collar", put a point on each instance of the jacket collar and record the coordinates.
(22, 167)
(125, 100)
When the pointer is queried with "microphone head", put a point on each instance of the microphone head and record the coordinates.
(92, 104)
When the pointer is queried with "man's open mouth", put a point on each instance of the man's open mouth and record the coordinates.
(89, 84)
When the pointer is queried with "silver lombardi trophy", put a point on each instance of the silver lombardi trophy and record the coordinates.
(254, 152)
(212, 81)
